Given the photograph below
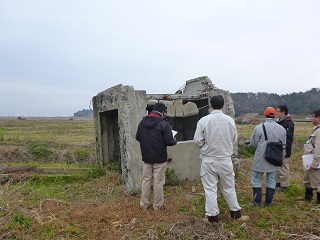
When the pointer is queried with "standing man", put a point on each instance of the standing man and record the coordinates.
(260, 165)
(311, 178)
(154, 134)
(283, 175)
(215, 134)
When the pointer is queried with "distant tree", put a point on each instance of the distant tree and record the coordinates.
(298, 103)
(84, 113)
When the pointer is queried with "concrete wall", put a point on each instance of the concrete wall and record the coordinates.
(117, 113)
(185, 160)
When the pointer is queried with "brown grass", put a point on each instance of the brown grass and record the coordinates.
(100, 208)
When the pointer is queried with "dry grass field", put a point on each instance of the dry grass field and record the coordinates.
(94, 204)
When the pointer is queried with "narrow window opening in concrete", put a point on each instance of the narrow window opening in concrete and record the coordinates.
(110, 139)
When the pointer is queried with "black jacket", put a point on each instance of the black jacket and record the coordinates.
(288, 125)
(154, 134)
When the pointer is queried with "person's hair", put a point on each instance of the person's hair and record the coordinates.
(316, 113)
(159, 107)
(283, 108)
(217, 102)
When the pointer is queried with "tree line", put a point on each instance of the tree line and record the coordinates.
(302, 103)
(84, 113)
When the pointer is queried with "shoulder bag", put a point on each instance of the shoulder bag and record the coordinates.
(274, 150)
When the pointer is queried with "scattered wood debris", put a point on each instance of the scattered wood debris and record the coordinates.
(16, 169)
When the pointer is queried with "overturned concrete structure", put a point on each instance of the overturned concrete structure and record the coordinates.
(118, 111)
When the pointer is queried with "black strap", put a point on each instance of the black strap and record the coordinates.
(264, 131)
(315, 129)
(310, 136)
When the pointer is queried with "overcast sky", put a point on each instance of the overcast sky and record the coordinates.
(55, 55)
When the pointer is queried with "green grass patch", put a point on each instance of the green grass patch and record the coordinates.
(95, 172)
(301, 139)
(47, 139)
(47, 232)
(74, 230)
(113, 166)
(199, 205)
(172, 179)
(247, 152)
(40, 151)
(1, 134)
(183, 209)
(81, 154)
(20, 220)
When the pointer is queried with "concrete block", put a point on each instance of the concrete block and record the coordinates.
(178, 105)
(189, 109)
(185, 159)
(171, 111)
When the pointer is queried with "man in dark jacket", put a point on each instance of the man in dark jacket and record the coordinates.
(283, 175)
(154, 134)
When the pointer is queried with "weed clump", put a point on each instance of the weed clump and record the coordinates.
(40, 151)
(172, 178)
(81, 154)
(247, 152)
(20, 220)
(113, 166)
(1, 134)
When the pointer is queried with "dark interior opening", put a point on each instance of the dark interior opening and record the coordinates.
(186, 126)
(110, 138)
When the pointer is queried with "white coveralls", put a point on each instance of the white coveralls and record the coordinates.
(216, 134)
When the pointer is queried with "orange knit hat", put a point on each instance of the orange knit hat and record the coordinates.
(270, 112)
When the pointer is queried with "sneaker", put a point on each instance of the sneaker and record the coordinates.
(303, 199)
(300, 198)
(243, 218)
(279, 189)
(160, 208)
(253, 204)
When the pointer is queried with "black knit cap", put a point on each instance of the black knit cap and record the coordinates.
(159, 107)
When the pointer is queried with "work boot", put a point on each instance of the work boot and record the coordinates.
(236, 215)
(318, 198)
(213, 219)
(269, 196)
(257, 196)
(307, 196)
